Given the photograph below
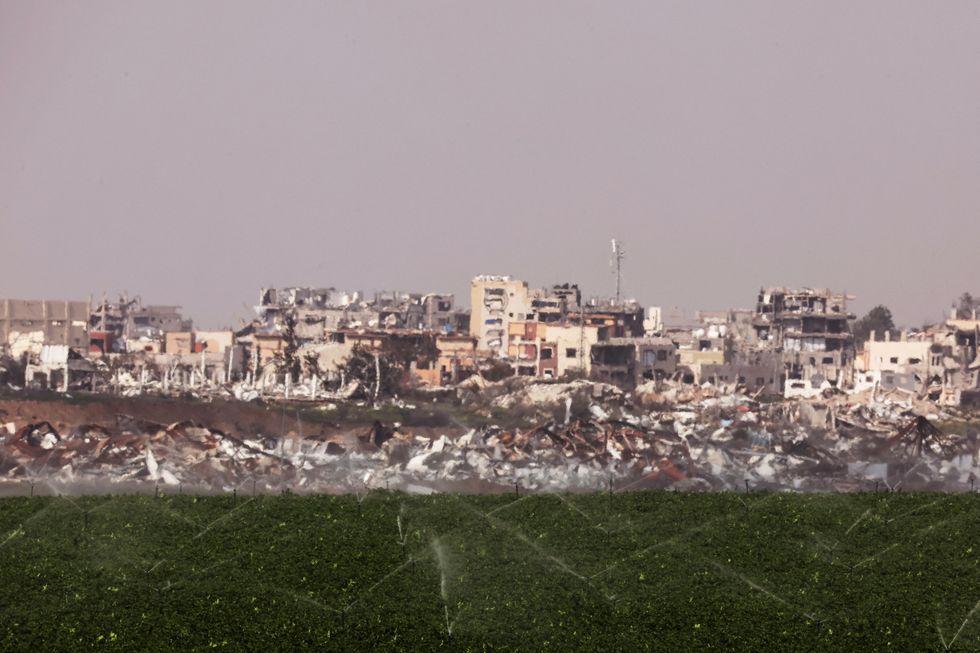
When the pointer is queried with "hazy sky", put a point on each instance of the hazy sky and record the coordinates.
(192, 152)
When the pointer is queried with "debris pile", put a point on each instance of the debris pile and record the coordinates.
(586, 436)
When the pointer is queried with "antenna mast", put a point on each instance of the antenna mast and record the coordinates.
(618, 254)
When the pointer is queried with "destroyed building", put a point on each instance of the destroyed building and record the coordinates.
(957, 341)
(320, 311)
(809, 328)
(546, 332)
(26, 325)
(622, 319)
(431, 312)
(61, 368)
(317, 311)
(551, 350)
(127, 318)
(912, 362)
(756, 373)
(128, 325)
(628, 362)
(456, 361)
(496, 301)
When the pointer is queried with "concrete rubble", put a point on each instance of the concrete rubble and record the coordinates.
(584, 436)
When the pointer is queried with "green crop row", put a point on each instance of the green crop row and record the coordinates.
(384, 571)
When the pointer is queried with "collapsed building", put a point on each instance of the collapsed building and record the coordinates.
(321, 311)
(939, 362)
(129, 325)
(580, 435)
(302, 338)
(629, 362)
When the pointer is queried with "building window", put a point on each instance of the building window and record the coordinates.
(571, 352)
(546, 353)
(662, 355)
(893, 360)
(828, 360)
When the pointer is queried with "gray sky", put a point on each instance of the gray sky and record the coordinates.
(195, 151)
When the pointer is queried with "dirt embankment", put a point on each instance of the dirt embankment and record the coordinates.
(230, 417)
(233, 417)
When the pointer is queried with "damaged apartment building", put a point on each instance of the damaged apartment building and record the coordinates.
(328, 325)
(809, 329)
(630, 362)
(939, 362)
(321, 311)
(545, 332)
(127, 325)
(27, 325)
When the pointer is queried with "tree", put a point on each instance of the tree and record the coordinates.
(879, 319)
(287, 359)
(966, 305)
(374, 371)
(311, 364)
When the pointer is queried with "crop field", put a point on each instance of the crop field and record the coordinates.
(384, 571)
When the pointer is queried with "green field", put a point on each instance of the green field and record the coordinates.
(638, 571)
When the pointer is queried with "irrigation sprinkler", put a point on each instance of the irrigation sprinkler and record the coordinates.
(746, 486)
(517, 489)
